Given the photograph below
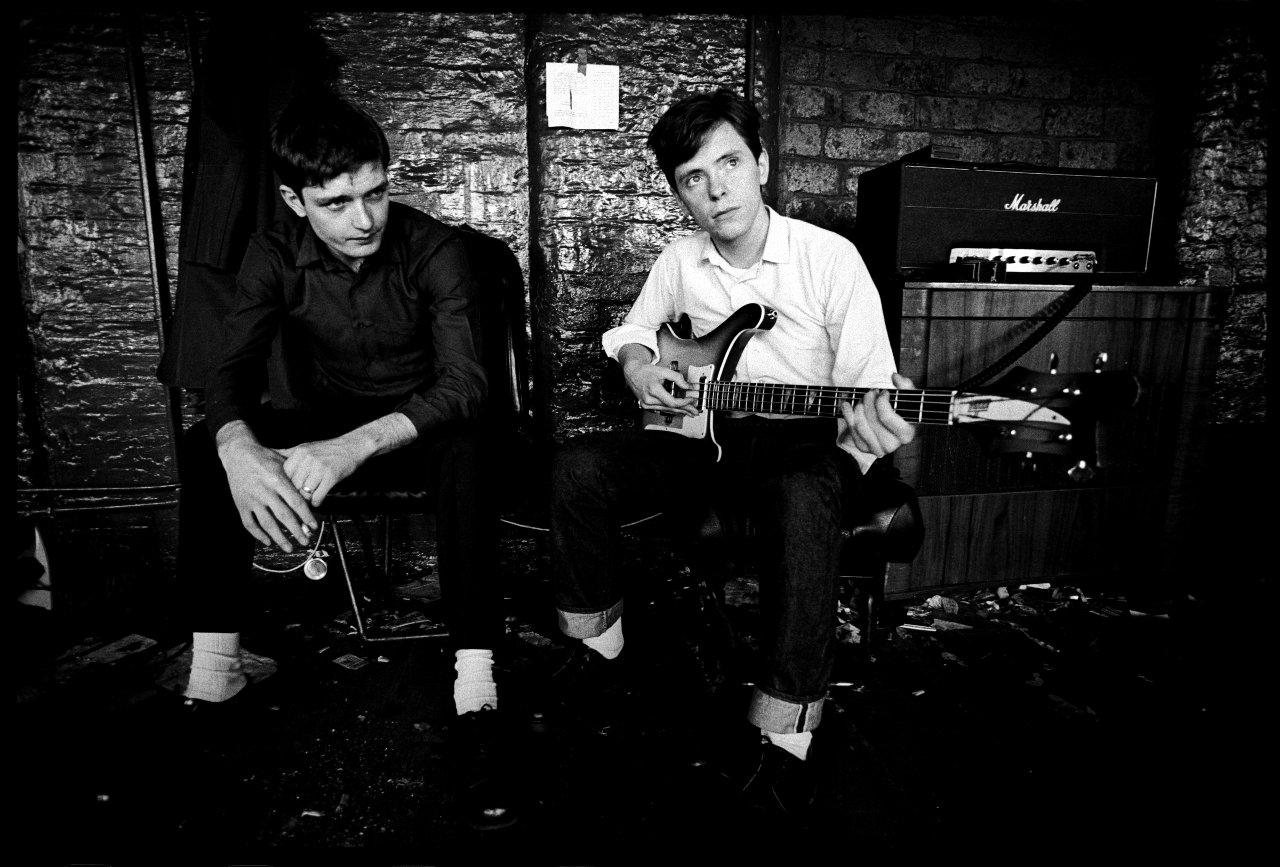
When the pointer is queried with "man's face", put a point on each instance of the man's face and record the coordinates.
(720, 186)
(348, 213)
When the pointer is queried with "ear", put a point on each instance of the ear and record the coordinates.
(291, 199)
(763, 163)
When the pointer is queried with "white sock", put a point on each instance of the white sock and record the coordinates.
(797, 744)
(474, 688)
(608, 643)
(216, 670)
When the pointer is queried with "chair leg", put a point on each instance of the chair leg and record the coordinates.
(874, 602)
(386, 549)
(346, 574)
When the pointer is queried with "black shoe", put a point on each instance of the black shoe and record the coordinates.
(591, 692)
(482, 742)
(780, 784)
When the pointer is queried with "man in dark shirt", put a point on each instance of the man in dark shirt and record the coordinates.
(376, 307)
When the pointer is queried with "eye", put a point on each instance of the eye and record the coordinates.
(692, 181)
(377, 195)
(732, 162)
(335, 206)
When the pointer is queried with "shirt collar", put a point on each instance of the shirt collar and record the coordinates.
(777, 244)
(308, 247)
(311, 249)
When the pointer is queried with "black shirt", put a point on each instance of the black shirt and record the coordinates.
(399, 335)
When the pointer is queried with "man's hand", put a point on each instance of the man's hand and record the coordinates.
(874, 427)
(315, 467)
(649, 381)
(269, 504)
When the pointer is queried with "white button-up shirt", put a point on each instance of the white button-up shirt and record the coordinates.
(830, 328)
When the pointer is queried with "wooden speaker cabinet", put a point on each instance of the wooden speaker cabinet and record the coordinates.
(997, 519)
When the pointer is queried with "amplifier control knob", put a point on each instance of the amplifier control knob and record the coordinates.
(1036, 260)
(1025, 259)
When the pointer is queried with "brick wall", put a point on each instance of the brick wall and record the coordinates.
(604, 208)
(1222, 230)
(858, 92)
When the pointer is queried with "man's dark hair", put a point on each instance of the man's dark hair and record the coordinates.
(678, 134)
(319, 136)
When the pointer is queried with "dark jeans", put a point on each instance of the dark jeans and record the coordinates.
(215, 551)
(794, 484)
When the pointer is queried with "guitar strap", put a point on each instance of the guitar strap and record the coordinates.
(1048, 317)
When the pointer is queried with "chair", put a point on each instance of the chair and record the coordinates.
(503, 350)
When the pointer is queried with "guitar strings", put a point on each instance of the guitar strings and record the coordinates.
(827, 399)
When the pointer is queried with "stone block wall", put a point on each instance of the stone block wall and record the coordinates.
(1222, 229)
(857, 92)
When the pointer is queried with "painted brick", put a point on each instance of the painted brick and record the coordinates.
(1040, 82)
(820, 30)
(838, 215)
(1021, 149)
(914, 74)
(803, 64)
(978, 149)
(907, 141)
(849, 179)
(948, 112)
(938, 39)
(882, 109)
(1130, 124)
(1011, 116)
(1022, 42)
(856, 143)
(980, 78)
(886, 36)
(810, 102)
(802, 139)
(853, 69)
(1073, 120)
(1087, 154)
(810, 177)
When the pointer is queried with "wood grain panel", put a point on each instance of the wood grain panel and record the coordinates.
(999, 519)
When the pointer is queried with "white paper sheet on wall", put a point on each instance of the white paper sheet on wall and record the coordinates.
(582, 100)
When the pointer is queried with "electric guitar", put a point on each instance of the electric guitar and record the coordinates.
(1025, 411)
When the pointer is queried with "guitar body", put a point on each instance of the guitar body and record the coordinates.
(700, 360)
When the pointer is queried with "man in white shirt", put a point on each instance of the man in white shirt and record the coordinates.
(794, 475)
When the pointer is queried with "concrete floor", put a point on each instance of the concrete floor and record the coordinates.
(1095, 726)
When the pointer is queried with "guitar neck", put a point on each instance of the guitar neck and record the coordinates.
(916, 405)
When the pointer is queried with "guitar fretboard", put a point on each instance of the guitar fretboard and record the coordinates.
(917, 405)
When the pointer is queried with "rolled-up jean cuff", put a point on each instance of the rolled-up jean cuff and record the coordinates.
(784, 717)
(588, 624)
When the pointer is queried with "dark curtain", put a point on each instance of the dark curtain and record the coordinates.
(250, 69)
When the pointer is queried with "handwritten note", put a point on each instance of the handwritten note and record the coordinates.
(582, 100)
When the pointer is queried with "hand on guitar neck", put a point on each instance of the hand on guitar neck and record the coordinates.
(873, 426)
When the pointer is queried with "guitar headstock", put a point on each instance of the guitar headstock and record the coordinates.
(1096, 393)
(1059, 412)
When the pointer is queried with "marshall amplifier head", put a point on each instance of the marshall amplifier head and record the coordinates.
(913, 212)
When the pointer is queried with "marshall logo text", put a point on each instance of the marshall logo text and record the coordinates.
(1017, 204)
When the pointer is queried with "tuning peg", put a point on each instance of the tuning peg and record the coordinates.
(1081, 472)
(1053, 362)
(1099, 360)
